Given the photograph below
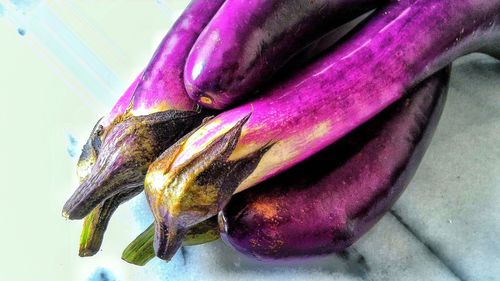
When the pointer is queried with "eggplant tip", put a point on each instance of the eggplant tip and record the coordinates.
(68, 211)
(167, 240)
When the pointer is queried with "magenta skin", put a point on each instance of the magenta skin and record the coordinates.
(162, 85)
(248, 41)
(398, 47)
(326, 203)
(122, 104)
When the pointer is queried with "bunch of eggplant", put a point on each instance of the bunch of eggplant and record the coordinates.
(287, 128)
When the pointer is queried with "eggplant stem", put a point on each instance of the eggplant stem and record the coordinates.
(141, 250)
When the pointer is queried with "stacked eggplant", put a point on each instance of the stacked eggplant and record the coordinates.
(351, 126)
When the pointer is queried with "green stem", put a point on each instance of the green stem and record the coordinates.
(95, 223)
(140, 251)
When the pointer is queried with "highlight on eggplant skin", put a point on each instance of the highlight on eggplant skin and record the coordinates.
(326, 203)
(248, 41)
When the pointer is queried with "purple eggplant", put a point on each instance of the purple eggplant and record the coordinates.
(152, 114)
(327, 202)
(398, 47)
(248, 41)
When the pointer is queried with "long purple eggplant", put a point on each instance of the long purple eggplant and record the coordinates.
(248, 41)
(154, 113)
(397, 48)
(329, 201)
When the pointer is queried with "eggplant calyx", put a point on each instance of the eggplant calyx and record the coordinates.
(125, 154)
(187, 194)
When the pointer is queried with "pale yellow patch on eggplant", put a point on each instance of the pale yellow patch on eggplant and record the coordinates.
(282, 153)
(202, 138)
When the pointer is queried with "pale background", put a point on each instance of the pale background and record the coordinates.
(64, 63)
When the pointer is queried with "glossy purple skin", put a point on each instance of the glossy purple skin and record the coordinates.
(397, 48)
(248, 41)
(400, 46)
(327, 202)
(162, 85)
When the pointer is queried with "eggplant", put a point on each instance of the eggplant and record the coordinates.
(91, 148)
(248, 41)
(96, 222)
(398, 47)
(152, 114)
(326, 203)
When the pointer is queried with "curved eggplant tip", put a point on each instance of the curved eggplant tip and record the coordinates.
(125, 154)
(168, 239)
(81, 202)
(69, 210)
(206, 96)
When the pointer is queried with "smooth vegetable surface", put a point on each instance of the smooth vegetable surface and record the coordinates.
(248, 41)
(153, 113)
(327, 202)
(396, 49)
